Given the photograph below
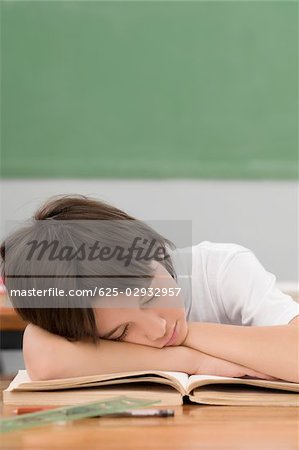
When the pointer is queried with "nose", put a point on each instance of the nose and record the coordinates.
(154, 327)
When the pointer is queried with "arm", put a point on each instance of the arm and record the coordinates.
(49, 356)
(273, 350)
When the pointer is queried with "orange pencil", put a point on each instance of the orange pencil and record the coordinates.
(32, 409)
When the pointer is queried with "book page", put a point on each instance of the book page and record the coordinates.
(177, 380)
(244, 395)
(195, 381)
(181, 377)
(21, 377)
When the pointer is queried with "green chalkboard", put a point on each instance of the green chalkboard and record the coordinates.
(149, 89)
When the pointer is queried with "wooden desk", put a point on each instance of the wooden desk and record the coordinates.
(10, 321)
(193, 427)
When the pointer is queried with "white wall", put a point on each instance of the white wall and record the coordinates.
(262, 216)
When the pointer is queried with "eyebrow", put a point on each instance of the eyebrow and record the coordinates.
(108, 335)
(154, 296)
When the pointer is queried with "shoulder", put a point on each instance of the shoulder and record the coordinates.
(219, 248)
(209, 248)
(210, 261)
(207, 256)
(216, 256)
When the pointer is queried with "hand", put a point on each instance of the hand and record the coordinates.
(209, 365)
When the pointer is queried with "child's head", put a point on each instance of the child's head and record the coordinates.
(63, 247)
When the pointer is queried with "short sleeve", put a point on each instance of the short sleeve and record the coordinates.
(249, 294)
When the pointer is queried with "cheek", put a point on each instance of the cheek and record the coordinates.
(171, 314)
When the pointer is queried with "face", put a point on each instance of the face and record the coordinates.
(156, 321)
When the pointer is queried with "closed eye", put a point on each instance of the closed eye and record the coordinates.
(123, 335)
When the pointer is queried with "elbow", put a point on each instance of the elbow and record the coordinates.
(37, 368)
(38, 355)
(41, 370)
(38, 373)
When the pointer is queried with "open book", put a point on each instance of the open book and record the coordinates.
(168, 388)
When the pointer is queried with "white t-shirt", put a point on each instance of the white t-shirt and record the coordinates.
(225, 283)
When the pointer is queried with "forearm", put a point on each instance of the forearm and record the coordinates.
(49, 356)
(272, 350)
(81, 358)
